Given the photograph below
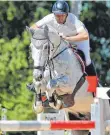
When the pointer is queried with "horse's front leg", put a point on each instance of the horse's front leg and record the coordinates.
(53, 99)
(38, 105)
(52, 86)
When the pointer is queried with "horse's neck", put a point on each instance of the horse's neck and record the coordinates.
(59, 48)
(67, 59)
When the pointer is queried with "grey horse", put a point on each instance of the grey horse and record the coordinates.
(58, 73)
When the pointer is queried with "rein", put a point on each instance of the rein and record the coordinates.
(59, 53)
(42, 68)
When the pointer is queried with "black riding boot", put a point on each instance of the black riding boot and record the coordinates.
(90, 70)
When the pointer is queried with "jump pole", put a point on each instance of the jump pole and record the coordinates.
(45, 125)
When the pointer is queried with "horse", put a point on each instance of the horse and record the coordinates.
(58, 73)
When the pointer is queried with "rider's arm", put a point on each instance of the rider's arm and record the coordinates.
(82, 35)
(80, 31)
(42, 22)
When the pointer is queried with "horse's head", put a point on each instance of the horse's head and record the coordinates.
(41, 41)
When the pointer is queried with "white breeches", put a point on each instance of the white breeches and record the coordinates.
(85, 48)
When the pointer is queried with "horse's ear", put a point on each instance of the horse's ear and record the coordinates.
(31, 30)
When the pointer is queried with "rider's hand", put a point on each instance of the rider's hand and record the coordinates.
(34, 26)
(62, 36)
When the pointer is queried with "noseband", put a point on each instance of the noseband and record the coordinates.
(42, 68)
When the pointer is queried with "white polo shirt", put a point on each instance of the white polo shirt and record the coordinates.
(71, 27)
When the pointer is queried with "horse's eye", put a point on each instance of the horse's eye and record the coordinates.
(45, 47)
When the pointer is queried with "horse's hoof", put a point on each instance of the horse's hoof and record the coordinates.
(51, 104)
(59, 104)
(38, 107)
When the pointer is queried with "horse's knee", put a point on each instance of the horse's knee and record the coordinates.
(37, 75)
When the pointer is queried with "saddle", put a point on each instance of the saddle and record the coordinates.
(80, 56)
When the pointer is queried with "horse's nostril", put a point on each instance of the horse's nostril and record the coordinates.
(39, 78)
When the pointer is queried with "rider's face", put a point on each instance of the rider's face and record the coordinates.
(60, 18)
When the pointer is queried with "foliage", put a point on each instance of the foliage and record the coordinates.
(95, 16)
(14, 53)
(17, 14)
(14, 76)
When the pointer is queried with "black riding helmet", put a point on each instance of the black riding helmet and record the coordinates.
(60, 7)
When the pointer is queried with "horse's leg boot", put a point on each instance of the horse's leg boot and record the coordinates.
(55, 103)
(38, 106)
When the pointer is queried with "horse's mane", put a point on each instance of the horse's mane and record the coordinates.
(45, 33)
(39, 34)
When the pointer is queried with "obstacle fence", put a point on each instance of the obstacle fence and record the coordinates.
(96, 125)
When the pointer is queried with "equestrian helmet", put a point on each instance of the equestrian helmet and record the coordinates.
(60, 7)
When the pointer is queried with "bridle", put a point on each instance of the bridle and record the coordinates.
(49, 61)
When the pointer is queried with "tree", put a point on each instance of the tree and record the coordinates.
(14, 61)
(95, 16)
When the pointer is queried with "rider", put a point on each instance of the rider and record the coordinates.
(71, 29)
